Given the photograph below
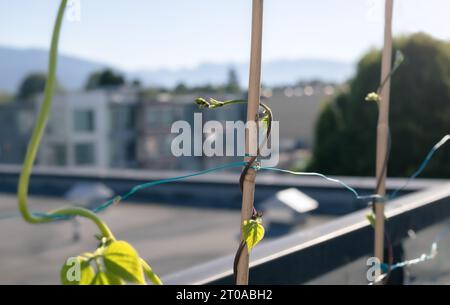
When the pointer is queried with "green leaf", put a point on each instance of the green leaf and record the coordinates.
(371, 218)
(253, 232)
(373, 97)
(215, 103)
(122, 260)
(77, 271)
(106, 278)
(202, 103)
(265, 121)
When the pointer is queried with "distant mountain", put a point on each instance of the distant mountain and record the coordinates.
(15, 64)
(276, 72)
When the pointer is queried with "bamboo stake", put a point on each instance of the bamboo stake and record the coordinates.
(251, 136)
(383, 129)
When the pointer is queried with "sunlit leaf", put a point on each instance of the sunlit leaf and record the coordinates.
(106, 278)
(253, 232)
(122, 260)
(373, 97)
(371, 218)
(77, 271)
(202, 103)
(265, 121)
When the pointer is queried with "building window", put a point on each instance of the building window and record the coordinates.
(56, 124)
(83, 120)
(25, 121)
(84, 154)
(58, 154)
(122, 118)
(130, 153)
(130, 118)
(152, 116)
(162, 117)
(115, 118)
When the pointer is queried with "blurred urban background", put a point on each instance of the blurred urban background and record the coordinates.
(126, 72)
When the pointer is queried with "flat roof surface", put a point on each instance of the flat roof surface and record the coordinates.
(170, 238)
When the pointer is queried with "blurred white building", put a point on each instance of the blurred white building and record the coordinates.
(92, 129)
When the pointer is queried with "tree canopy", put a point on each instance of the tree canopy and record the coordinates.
(232, 85)
(32, 84)
(419, 114)
(104, 78)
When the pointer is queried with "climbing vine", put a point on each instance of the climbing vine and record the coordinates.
(116, 261)
(113, 262)
(252, 229)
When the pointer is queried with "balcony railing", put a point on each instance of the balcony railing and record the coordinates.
(303, 256)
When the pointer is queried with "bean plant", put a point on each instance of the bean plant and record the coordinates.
(114, 261)
(252, 229)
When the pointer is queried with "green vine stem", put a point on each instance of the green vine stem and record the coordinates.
(150, 274)
(33, 146)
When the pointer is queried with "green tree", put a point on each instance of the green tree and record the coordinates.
(181, 88)
(419, 114)
(136, 83)
(232, 85)
(104, 78)
(31, 85)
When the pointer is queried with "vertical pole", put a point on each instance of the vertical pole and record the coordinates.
(251, 136)
(383, 129)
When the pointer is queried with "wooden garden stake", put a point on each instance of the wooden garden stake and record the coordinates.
(251, 136)
(383, 130)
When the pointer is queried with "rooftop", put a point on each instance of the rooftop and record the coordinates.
(35, 253)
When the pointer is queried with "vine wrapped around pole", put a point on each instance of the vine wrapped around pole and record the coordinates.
(251, 135)
(383, 131)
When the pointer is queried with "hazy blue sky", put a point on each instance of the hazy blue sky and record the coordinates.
(138, 34)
